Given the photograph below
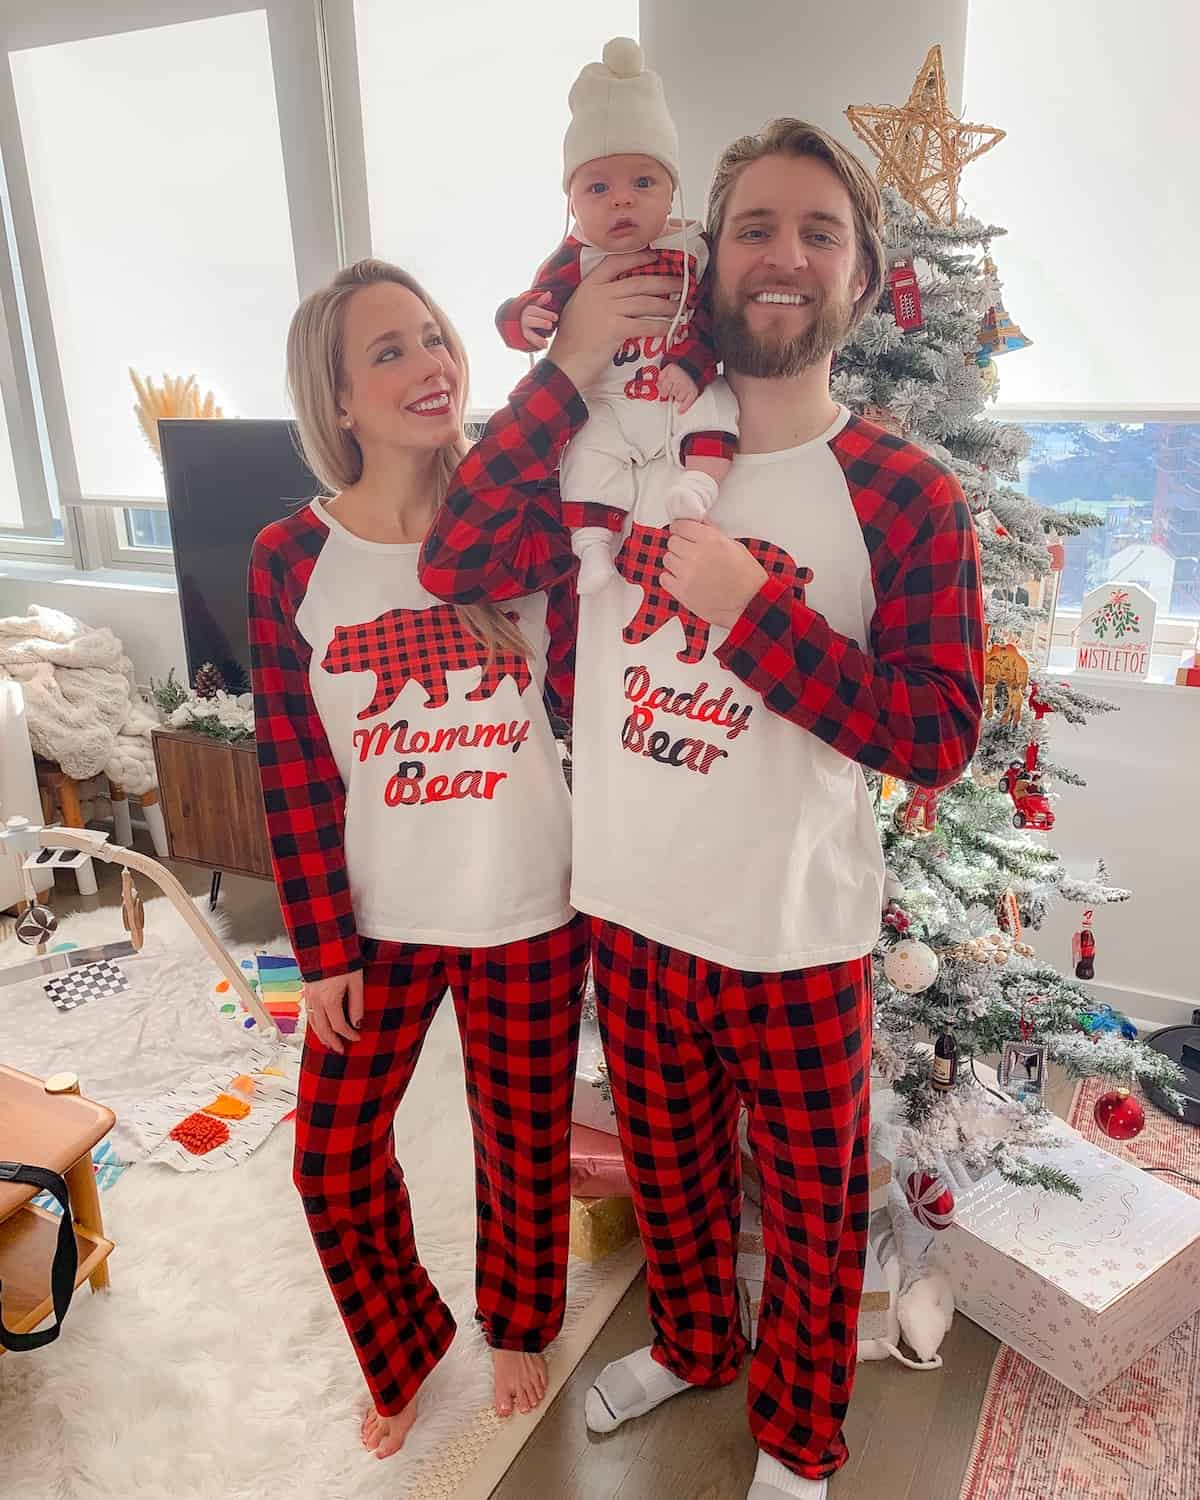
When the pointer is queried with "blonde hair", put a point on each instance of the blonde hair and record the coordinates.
(316, 375)
(788, 137)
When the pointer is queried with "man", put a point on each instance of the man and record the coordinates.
(827, 616)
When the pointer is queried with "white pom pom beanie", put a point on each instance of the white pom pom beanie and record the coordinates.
(617, 109)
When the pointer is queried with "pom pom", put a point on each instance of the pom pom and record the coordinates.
(623, 57)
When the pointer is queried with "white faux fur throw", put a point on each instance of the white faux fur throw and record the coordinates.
(81, 705)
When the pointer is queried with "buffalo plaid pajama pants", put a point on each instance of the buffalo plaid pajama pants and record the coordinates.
(518, 1015)
(685, 1041)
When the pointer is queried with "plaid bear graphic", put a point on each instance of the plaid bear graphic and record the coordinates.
(640, 561)
(421, 645)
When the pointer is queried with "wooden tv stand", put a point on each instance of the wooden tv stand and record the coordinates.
(212, 804)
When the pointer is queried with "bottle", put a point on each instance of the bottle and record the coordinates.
(945, 1062)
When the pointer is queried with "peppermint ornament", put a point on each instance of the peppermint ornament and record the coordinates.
(930, 1199)
(36, 923)
(911, 966)
(1119, 1115)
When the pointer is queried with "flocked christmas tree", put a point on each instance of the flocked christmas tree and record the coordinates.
(972, 870)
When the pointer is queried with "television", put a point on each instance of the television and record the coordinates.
(225, 480)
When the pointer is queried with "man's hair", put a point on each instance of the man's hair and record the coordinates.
(788, 137)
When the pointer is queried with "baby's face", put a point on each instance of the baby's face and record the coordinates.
(622, 202)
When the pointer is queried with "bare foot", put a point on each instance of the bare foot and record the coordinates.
(385, 1435)
(520, 1380)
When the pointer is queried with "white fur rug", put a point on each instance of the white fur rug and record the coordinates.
(217, 1367)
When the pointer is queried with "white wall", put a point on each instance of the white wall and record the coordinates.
(1140, 811)
(145, 617)
(728, 68)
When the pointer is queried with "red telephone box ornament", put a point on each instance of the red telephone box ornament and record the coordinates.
(906, 296)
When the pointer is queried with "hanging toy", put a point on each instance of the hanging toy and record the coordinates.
(911, 966)
(1083, 949)
(998, 333)
(1119, 1115)
(133, 914)
(1008, 913)
(931, 1201)
(36, 923)
(906, 295)
(1022, 1070)
(917, 815)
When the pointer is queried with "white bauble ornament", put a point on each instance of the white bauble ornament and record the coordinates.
(911, 966)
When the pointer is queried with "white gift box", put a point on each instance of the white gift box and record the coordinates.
(592, 1104)
(1082, 1288)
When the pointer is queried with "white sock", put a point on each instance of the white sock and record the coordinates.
(774, 1481)
(629, 1387)
(596, 565)
(691, 495)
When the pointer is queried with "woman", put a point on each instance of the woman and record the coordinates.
(419, 826)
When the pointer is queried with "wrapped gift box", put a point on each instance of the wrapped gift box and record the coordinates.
(601, 1225)
(1082, 1288)
(597, 1166)
(592, 1104)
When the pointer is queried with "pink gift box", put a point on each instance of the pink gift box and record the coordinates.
(597, 1166)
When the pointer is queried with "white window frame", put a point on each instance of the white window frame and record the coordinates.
(315, 70)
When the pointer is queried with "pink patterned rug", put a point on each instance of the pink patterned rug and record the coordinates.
(1135, 1440)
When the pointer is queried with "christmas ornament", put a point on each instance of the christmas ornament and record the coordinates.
(1083, 949)
(1031, 806)
(987, 522)
(931, 1201)
(922, 147)
(998, 333)
(1022, 1068)
(1004, 666)
(917, 816)
(36, 923)
(209, 681)
(882, 417)
(911, 966)
(945, 1063)
(888, 787)
(896, 918)
(1119, 1115)
(906, 295)
(1008, 913)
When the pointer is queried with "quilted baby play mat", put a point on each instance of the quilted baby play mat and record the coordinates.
(156, 1036)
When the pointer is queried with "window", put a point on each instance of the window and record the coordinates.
(464, 109)
(1143, 478)
(173, 191)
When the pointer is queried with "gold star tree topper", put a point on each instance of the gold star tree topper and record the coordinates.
(922, 147)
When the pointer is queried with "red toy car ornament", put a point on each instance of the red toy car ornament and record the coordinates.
(1031, 808)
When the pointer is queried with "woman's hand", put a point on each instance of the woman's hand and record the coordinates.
(603, 312)
(335, 1008)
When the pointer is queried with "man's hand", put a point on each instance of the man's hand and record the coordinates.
(335, 1007)
(608, 307)
(675, 384)
(709, 573)
(537, 321)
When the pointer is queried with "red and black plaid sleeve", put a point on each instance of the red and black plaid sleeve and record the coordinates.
(302, 787)
(559, 276)
(499, 532)
(562, 614)
(911, 704)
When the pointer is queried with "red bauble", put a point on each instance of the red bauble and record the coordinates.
(930, 1199)
(1119, 1115)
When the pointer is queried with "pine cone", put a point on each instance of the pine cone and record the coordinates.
(209, 681)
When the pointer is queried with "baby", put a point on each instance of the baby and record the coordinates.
(620, 172)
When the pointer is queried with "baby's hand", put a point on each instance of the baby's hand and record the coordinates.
(677, 385)
(537, 321)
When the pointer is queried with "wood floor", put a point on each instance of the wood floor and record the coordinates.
(909, 1432)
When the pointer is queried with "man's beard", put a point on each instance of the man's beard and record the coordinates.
(766, 357)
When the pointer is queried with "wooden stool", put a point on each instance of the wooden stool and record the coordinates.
(48, 1124)
(61, 804)
(151, 811)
